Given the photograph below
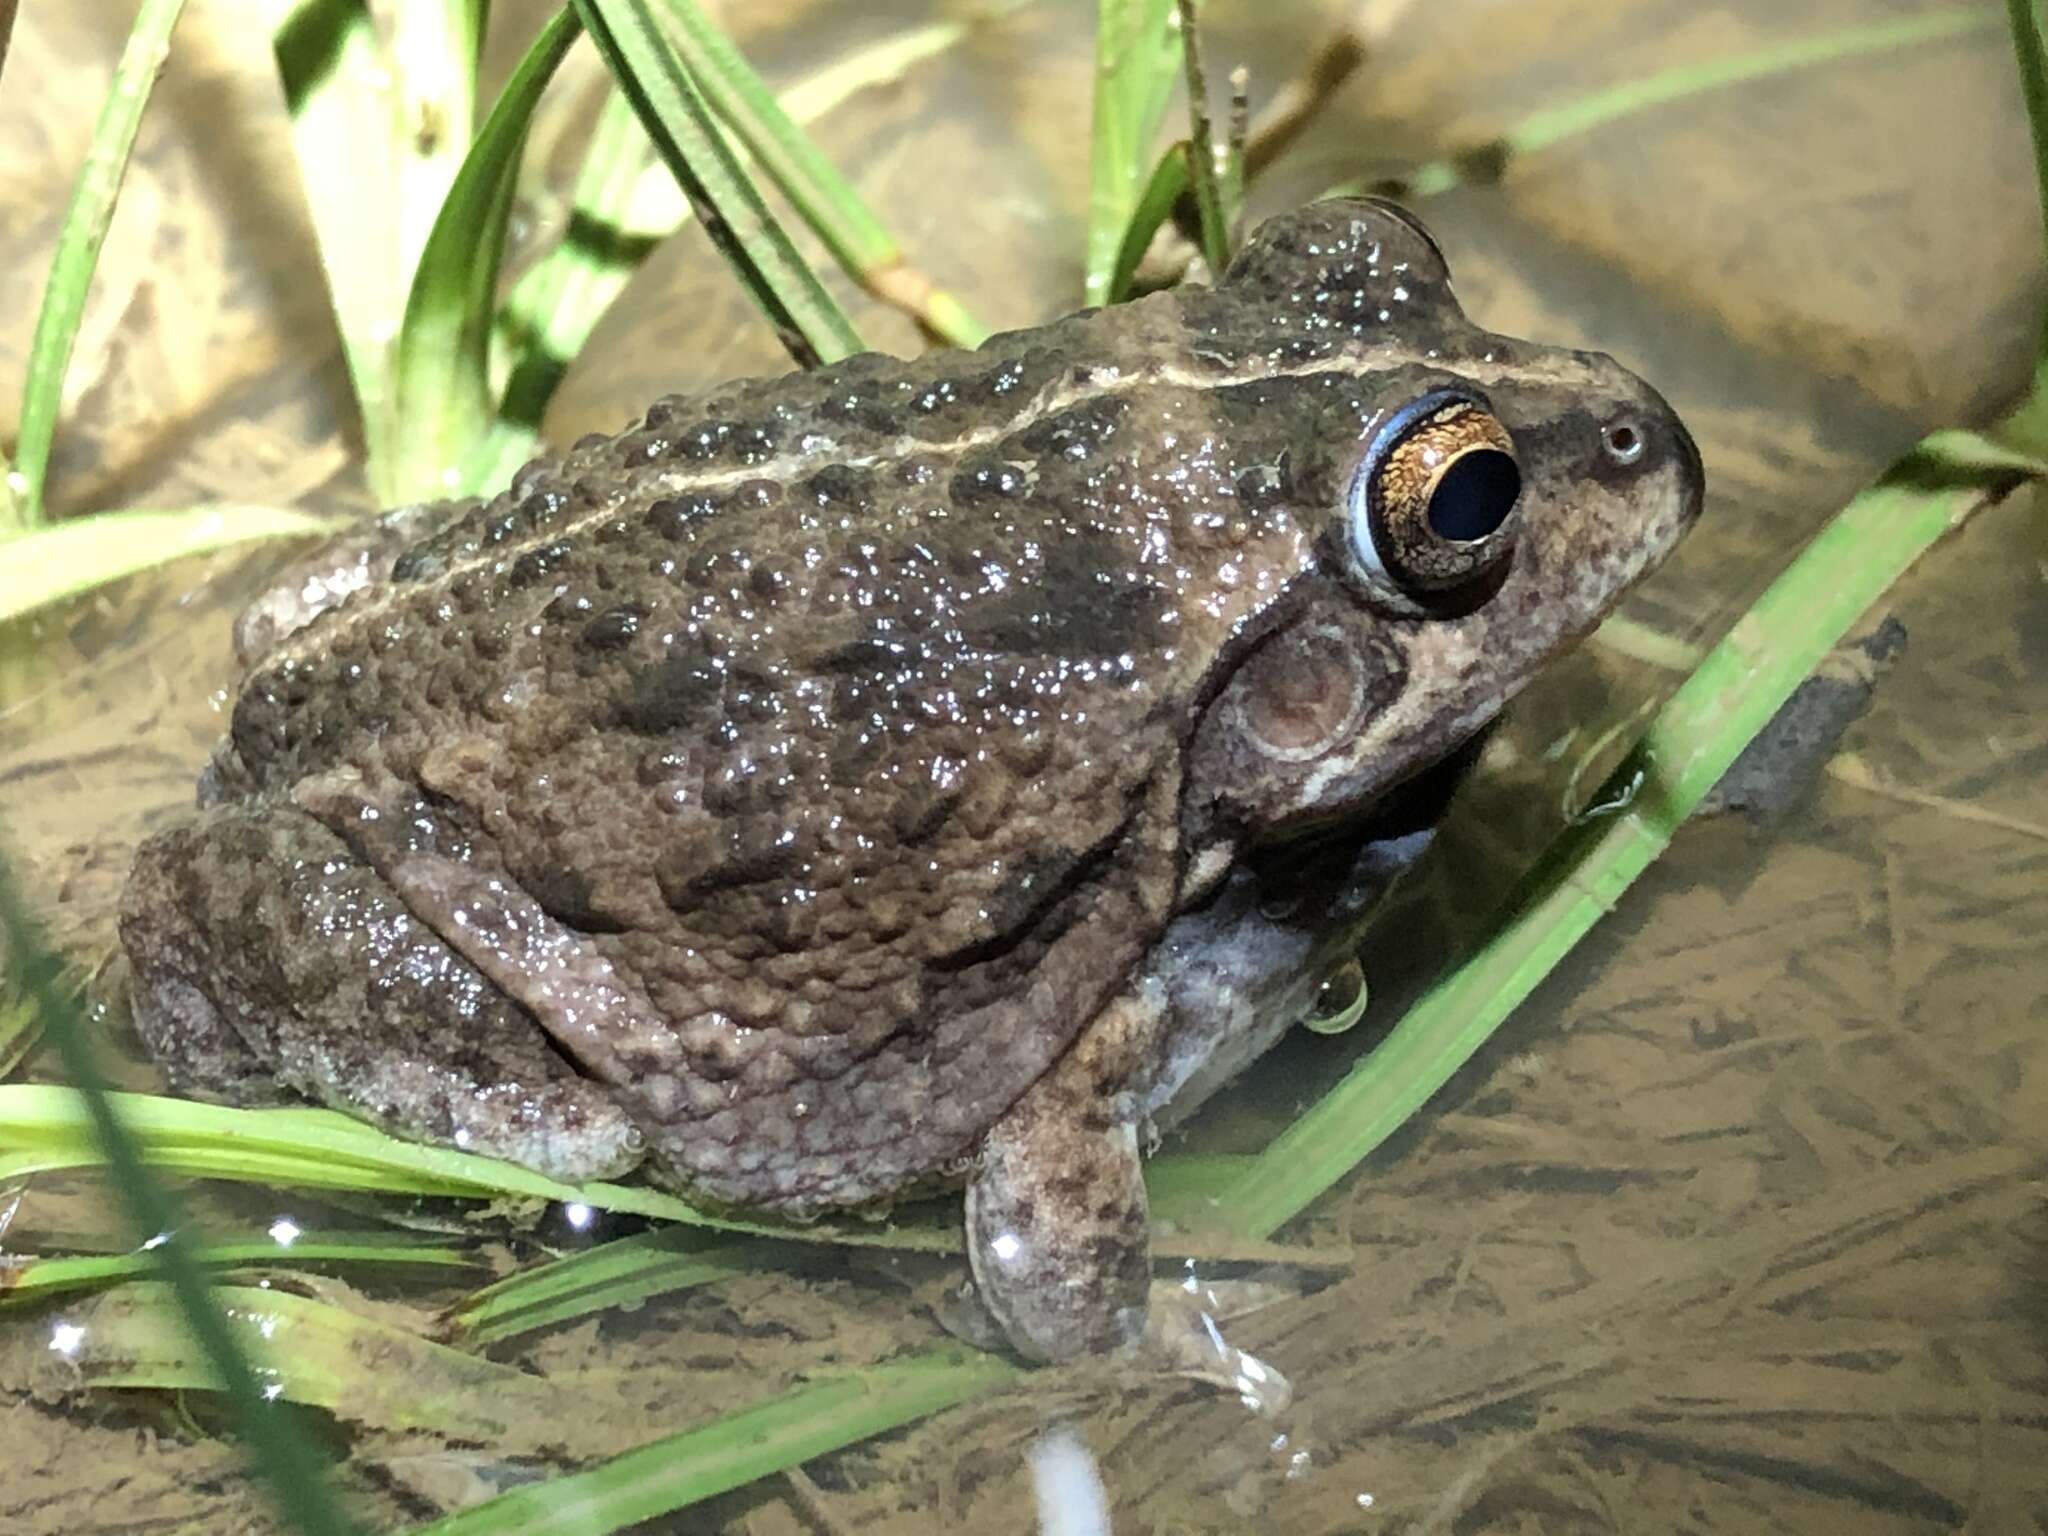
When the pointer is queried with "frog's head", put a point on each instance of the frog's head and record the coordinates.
(1480, 504)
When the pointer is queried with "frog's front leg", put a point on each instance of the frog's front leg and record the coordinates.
(1058, 1232)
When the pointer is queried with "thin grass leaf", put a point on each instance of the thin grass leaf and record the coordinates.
(45, 1129)
(20, 1029)
(823, 198)
(309, 1352)
(1165, 188)
(435, 49)
(1704, 727)
(32, 1281)
(555, 305)
(79, 239)
(1137, 56)
(618, 214)
(616, 1274)
(1203, 173)
(276, 1446)
(2028, 426)
(1487, 162)
(337, 83)
(811, 326)
(443, 373)
(680, 1470)
(66, 558)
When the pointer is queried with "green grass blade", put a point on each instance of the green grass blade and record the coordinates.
(66, 558)
(435, 49)
(20, 1029)
(823, 198)
(277, 1445)
(555, 305)
(79, 239)
(1167, 185)
(680, 1470)
(1541, 130)
(1137, 56)
(618, 214)
(1731, 696)
(811, 326)
(311, 1353)
(2029, 425)
(27, 1281)
(44, 1128)
(1211, 216)
(337, 82)
(614, 1274)
(443, 360)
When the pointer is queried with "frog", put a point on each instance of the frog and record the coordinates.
(906, 774)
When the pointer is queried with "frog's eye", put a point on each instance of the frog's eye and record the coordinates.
(1433, 503)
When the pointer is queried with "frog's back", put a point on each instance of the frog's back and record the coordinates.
(841, 714)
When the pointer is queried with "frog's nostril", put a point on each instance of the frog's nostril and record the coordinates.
(1624, 442)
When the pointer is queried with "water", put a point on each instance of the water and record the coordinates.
(1737, 1225)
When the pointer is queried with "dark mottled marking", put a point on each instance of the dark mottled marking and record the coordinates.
(838, 485)
(678, 691)
(704, 440)
(612, 628)
(991, 480)
(1087, 602)
(1076, 432)
(537, 564)
(567, 896)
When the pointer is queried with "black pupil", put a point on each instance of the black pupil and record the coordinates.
(1474, 496)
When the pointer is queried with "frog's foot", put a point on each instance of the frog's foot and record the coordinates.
(264, 949)
(1057, 1228)
(1184, 1336)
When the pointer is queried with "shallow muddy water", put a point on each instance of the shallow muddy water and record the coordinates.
(1738, 1225)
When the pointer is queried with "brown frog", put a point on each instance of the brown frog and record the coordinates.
(904, 771)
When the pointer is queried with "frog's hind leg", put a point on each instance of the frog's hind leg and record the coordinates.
(264, 949)
(1058, 1232)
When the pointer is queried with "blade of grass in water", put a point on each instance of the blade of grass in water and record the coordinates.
(614, 1274)
(45, 1129)
(810, 325)
(618, 214)
(1137, 56)
(1487, 162)
(65, 558)
(79, 239)
(826, 200)
(679, 1470)
(337, 90)
(24, 1281)
(311, 1353)
(1732, 695)
(277, 1446)
(443, 393)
